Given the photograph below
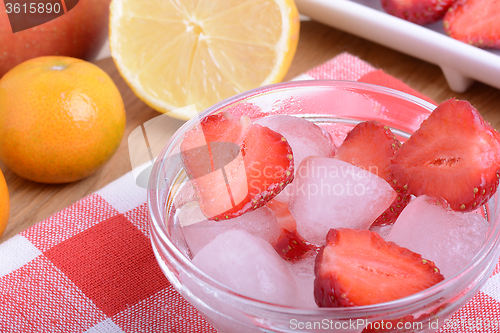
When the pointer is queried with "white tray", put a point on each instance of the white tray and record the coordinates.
(461, 63)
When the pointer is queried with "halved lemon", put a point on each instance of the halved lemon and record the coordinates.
(175, 53)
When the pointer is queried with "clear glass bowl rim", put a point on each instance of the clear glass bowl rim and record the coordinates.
(158, 228)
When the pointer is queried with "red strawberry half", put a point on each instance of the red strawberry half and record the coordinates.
(370, 145)
(235, 166)
(417, 11)
(358, 267)
(391, 214)
(454, 155)
(474, 22)
(290, 245)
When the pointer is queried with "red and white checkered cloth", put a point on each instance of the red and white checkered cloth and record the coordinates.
(90, 267)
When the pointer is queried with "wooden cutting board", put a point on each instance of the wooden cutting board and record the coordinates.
(32, 202)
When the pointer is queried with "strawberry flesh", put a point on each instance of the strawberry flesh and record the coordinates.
(291, 246)
(235, 166)
(392, 213)
(474, 22)
(358, 267)
(370, 145)
(454, 155)
(417, 11)
(212, 144)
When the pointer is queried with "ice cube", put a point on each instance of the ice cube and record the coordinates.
(449, 239)
(338, 131)
(198, 231)
(330, 193)
(303, 273)
(305, 139)
(383, 230)
(249, 265)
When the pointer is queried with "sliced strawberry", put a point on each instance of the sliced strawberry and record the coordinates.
(235, 166)
(215, 135)
(417, 11)
(454, 155)
(370, 145)
(358, 267)
(474, 22)
(392, 213)
(290, 245)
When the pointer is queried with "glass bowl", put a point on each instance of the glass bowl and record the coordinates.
(339, 104)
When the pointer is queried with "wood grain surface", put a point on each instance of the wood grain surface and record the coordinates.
(32, 202)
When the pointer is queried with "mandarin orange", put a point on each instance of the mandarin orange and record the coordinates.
(61, 118)
(4, 204)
